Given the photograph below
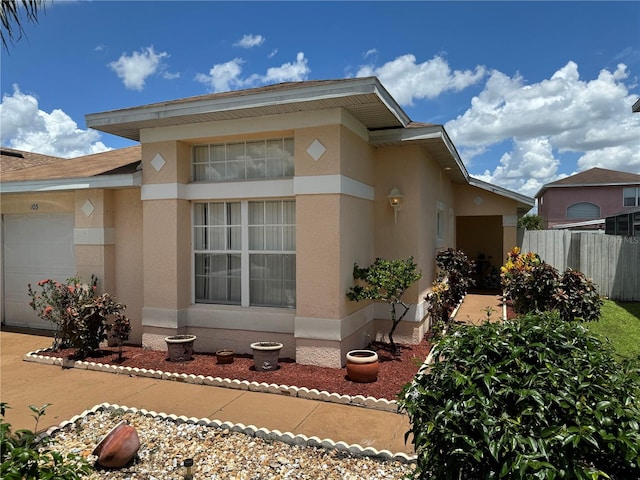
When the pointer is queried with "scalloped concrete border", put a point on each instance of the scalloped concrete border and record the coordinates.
(250, 430)
(300, 392)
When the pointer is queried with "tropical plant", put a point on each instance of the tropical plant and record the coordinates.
(386, 281)
(576, 297)
(531, 222)
(26, 455)
(81, 317)
(536, 397)
(455, 272)
(534, 285)
(11, 27)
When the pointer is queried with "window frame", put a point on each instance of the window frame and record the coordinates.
(245, 251)
(243, 160)
(635, 196)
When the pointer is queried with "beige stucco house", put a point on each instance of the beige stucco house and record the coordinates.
(241, 214)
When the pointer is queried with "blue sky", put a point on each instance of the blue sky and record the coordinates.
(529, 92)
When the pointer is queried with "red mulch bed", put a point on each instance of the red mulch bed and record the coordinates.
(394, 371)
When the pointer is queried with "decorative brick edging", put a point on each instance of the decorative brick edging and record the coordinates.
(300, 392)
(251, 430)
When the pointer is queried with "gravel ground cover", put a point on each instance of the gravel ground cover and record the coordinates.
(218, 453)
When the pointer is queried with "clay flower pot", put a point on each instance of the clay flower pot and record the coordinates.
(265, 355)
(362, 366)
(118, 446)
(225, 356)
(180, 347)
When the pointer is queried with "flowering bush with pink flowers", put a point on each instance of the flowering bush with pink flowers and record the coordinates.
(82, 317)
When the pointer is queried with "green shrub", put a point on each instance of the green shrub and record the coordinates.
(81, 316)
(455, 272)
(27, 455)
(536, 286)
(537, 397)
(577, 297)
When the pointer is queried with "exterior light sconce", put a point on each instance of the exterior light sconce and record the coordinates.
(395, 200)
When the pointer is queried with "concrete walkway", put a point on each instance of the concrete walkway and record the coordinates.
(72, 391)
(476, 308)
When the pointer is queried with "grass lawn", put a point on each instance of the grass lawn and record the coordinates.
(620, 323)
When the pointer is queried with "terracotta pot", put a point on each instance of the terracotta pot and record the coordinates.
(225, 356)
(118, 446)
(180, 347)
(265, 355)
(362, 366)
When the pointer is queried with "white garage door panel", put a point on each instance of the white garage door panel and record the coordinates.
(36, 247)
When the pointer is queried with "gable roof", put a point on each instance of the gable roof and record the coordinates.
(364, 98)
(12, 159)
(594, 177)
(111, 169)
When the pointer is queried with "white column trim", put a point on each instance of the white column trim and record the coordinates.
(332, 184)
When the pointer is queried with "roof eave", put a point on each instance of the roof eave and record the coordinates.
(525, 203)
(451, 162)
(98, 181)
(244, 101)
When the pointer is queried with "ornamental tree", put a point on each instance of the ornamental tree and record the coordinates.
(386, 281)
(82, 317)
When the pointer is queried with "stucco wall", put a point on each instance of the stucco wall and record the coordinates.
(129, 278)
(21, 203)
(555, 201)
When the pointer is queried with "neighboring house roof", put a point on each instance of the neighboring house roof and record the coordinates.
(636, 106)
(594, 177)
(12, 159)
(364, 98)
(106, 169)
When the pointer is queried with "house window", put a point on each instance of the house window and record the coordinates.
(584, 211)
(244, 253)
(243, 160)
(631, 196)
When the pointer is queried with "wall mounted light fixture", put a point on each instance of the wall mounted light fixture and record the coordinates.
(395, 200)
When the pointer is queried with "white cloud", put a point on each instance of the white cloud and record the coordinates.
(287, 72)
(134, 69)
(26, 127)
(227, 76)
(250, 41)
(543, 120)
(408, 80)
(370, 52)
(222, 76)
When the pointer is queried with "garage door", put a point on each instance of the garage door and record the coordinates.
(35, 247)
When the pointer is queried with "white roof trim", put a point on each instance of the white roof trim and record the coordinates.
(99, 181)
(418, 134)
(585, 223)
(246, 99)
(475, 182)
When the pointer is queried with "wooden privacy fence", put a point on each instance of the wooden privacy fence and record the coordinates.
(611, 261)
